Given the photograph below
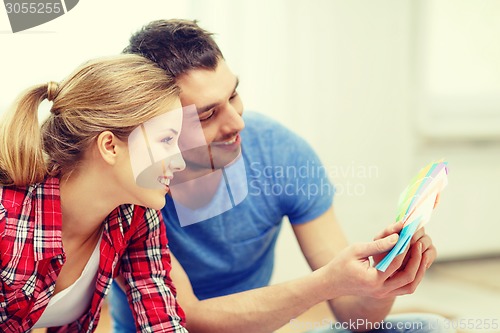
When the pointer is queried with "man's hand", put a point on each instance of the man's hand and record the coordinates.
(352, 273)
(427, 253)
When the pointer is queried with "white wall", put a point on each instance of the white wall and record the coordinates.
(53, 50)
(340, 73)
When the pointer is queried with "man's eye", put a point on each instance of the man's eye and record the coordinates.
(233, 96)
(207, 115)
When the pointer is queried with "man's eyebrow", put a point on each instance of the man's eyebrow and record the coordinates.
(206, 108)
(210, 106)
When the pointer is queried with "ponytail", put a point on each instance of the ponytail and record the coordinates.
(21, 155)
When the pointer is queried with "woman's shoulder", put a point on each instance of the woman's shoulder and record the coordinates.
(17, 196)
(130, 217)
(12, 196)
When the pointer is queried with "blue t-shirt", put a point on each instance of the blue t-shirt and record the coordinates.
(234, 251)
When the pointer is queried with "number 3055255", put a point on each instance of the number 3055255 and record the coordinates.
(33, 8)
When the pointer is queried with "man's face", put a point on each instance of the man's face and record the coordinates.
(219, 109)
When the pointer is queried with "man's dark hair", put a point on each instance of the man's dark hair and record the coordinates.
(176, 45)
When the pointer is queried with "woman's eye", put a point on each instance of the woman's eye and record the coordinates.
(233, 96)
(207, 115)
(168, 139)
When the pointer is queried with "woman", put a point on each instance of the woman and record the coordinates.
(72, 215)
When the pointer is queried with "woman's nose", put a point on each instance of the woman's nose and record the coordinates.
(177, 163)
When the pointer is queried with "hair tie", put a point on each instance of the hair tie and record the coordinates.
(52, 90)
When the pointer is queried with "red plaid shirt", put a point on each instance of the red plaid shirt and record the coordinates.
(134, 245)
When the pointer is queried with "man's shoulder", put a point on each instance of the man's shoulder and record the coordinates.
(261, 129)
(263, 133)
(261, 136)
(256, 121)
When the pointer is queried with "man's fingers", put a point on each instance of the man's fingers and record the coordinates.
(412, 286)
(418, 234)
(408, 274)
(376, 247)
(429, 255)
(394, 228)
(426, 243)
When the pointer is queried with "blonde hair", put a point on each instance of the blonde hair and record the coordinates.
(116, 94)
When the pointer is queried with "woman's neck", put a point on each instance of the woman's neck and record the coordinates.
(85, 204)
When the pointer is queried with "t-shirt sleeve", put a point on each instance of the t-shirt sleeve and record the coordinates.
(305, 190)
(313, 191)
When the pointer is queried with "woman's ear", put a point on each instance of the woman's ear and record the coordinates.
(108, 146)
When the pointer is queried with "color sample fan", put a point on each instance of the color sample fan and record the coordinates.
(416, 204)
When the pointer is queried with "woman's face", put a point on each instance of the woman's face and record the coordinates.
(155, 156)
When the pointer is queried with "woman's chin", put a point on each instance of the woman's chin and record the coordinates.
(155, 199)
(160, 203)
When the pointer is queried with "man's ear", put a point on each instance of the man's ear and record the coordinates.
(108, 146)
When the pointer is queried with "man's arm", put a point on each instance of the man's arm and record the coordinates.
(260, 310)
(266, 309)
(322, 239)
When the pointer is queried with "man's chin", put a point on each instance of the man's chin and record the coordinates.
(213, 158)
(222, 157)
(199, 163)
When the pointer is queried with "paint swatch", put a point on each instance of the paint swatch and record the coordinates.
(416, 204)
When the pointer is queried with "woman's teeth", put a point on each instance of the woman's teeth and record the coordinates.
(164, 181)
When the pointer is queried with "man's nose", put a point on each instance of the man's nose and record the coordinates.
(233, 122)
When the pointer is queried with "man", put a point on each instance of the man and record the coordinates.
(222, 265)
